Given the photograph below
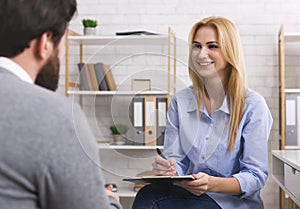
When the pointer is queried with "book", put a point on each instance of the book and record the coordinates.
(93, 77)
(86, 71)
(83, 80)
(88, 80)
(96, 77)
(158, 179)
(109, 78)
(100, 76)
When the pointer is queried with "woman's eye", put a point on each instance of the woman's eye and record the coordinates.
(213, 46)
(196, 46)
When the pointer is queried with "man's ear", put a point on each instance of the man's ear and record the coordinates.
(45, 46)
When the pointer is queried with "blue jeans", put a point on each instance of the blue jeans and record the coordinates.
(168, 196)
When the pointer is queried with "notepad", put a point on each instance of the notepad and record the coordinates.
(158, 179)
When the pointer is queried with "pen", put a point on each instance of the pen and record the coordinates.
(160, 153)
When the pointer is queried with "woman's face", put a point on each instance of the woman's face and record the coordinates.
(206, 55)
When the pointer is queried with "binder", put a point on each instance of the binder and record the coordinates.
(100, 76)
(137, 119)
(292, 107)
(161, 107)
(150, 121)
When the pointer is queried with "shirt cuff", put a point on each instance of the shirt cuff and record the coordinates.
(179, 170)
(113, 202)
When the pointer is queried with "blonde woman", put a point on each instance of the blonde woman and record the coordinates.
(217, 130)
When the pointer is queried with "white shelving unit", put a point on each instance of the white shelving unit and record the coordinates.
(125, 191)
(283, 40)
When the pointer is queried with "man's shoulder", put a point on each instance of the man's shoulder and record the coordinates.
(30, 96)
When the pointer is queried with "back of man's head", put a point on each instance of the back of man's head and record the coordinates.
(24, 20)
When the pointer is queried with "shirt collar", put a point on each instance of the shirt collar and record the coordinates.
(16, 69)
(192, 106)
(225, 106)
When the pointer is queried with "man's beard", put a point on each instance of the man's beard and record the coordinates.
(49, 74)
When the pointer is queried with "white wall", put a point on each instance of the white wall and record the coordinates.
(257, 20)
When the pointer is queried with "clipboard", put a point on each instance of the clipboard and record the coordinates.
(158, 179)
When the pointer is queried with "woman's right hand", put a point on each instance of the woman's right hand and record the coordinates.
(163, 167)
(110, 193)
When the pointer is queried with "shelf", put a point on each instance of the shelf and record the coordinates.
(279, 180)
(290, 157)
(280, 159)
(295, 90)
(126, 192)
(292, 147)
(292, 37)
(110, 93)
(127, 147)
(120, 40)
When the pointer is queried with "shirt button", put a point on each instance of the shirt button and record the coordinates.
(206, 138)
(203, 157)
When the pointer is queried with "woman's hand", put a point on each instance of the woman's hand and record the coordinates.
(198, 186)
(109, 192)
(164, 167)
(205, 183)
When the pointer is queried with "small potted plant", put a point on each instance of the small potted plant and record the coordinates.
(89, 27)
(118, 131)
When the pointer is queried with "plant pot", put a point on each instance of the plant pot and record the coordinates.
(89, 31)
(119, 139)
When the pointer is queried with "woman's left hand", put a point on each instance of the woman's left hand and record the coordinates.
(198, 186)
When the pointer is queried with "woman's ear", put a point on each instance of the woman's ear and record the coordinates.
(45, 46)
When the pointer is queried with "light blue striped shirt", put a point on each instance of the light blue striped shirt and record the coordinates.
(199, 144)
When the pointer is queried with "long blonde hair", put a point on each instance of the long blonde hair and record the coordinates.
(231, 48)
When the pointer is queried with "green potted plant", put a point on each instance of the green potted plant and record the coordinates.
(89, 26)
(118, 131)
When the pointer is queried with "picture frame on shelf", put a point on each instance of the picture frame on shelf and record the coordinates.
(138, 84)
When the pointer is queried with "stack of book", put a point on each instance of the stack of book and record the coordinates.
(96, 77)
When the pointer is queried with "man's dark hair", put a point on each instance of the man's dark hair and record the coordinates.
(24, 20)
